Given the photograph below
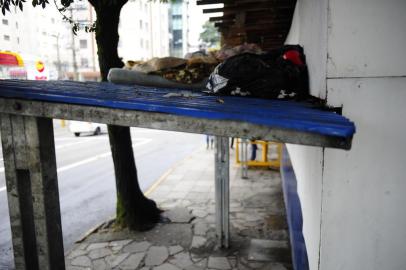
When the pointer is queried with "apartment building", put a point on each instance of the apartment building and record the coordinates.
(42, 38)
(185, 23)
(82, 47)
(143, 30)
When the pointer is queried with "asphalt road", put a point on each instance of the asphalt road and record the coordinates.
(86, 178)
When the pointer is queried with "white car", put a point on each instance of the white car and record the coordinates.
(78, 127)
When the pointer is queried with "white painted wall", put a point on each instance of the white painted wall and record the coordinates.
(352, 201)
(364, 218)
(307, 161)
(367, 38)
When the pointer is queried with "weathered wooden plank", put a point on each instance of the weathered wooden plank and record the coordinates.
(298, 116)
(32, 189)
(45, 194)
(249, 7)
(19, 142)
(271, 29)
(229, 18)
(236, 2)
(18, 192)
(210, 2)
(171, 122)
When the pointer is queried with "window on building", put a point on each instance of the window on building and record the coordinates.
(53, 20)
(5, 21)
(177, 23)
(146, 25)
(140, 24)
(18, 40)
(80, 6)
(6, 37)
(147, 44)
(177, 38)
(83, 43)
(177, 8)
(84, 62)
(16, 25)
(141, 43)
(82, 23)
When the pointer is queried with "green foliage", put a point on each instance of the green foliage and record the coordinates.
(62, 8)
(210, 35)
(5, 4)
(66, 3)
(66, 6)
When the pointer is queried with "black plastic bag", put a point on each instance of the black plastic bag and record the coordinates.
(280, 73)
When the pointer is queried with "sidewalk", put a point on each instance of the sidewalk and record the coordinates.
(258, 230)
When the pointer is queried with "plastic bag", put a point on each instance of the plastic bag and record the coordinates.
(280, 73)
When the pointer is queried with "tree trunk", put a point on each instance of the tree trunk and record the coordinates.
(133, 210)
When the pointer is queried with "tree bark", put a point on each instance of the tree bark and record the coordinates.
(133, 209)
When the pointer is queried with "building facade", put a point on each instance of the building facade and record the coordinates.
(144, 30)
(40, 35)
(84, 64)
(186, 19)
(178, 28)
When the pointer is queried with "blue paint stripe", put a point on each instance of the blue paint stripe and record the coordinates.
(273, 113)
(294, 214)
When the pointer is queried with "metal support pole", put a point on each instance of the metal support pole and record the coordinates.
(58, 57)
(244, 158)
(222, 190)
(32, 190)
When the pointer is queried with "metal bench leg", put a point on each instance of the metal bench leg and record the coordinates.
(32, 190)
(244, 158)
(222, 189)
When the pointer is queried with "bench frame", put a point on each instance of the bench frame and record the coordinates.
(31, 177)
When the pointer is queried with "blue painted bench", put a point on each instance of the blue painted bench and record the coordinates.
(286, 121)
(28, 107)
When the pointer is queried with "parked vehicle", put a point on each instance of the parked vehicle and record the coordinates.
(78, 127)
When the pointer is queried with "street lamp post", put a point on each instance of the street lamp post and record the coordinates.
(58, 57)
(75, 65)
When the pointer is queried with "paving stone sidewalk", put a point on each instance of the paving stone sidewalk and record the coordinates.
(258, 229)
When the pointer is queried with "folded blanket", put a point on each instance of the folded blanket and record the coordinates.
(122, 76)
